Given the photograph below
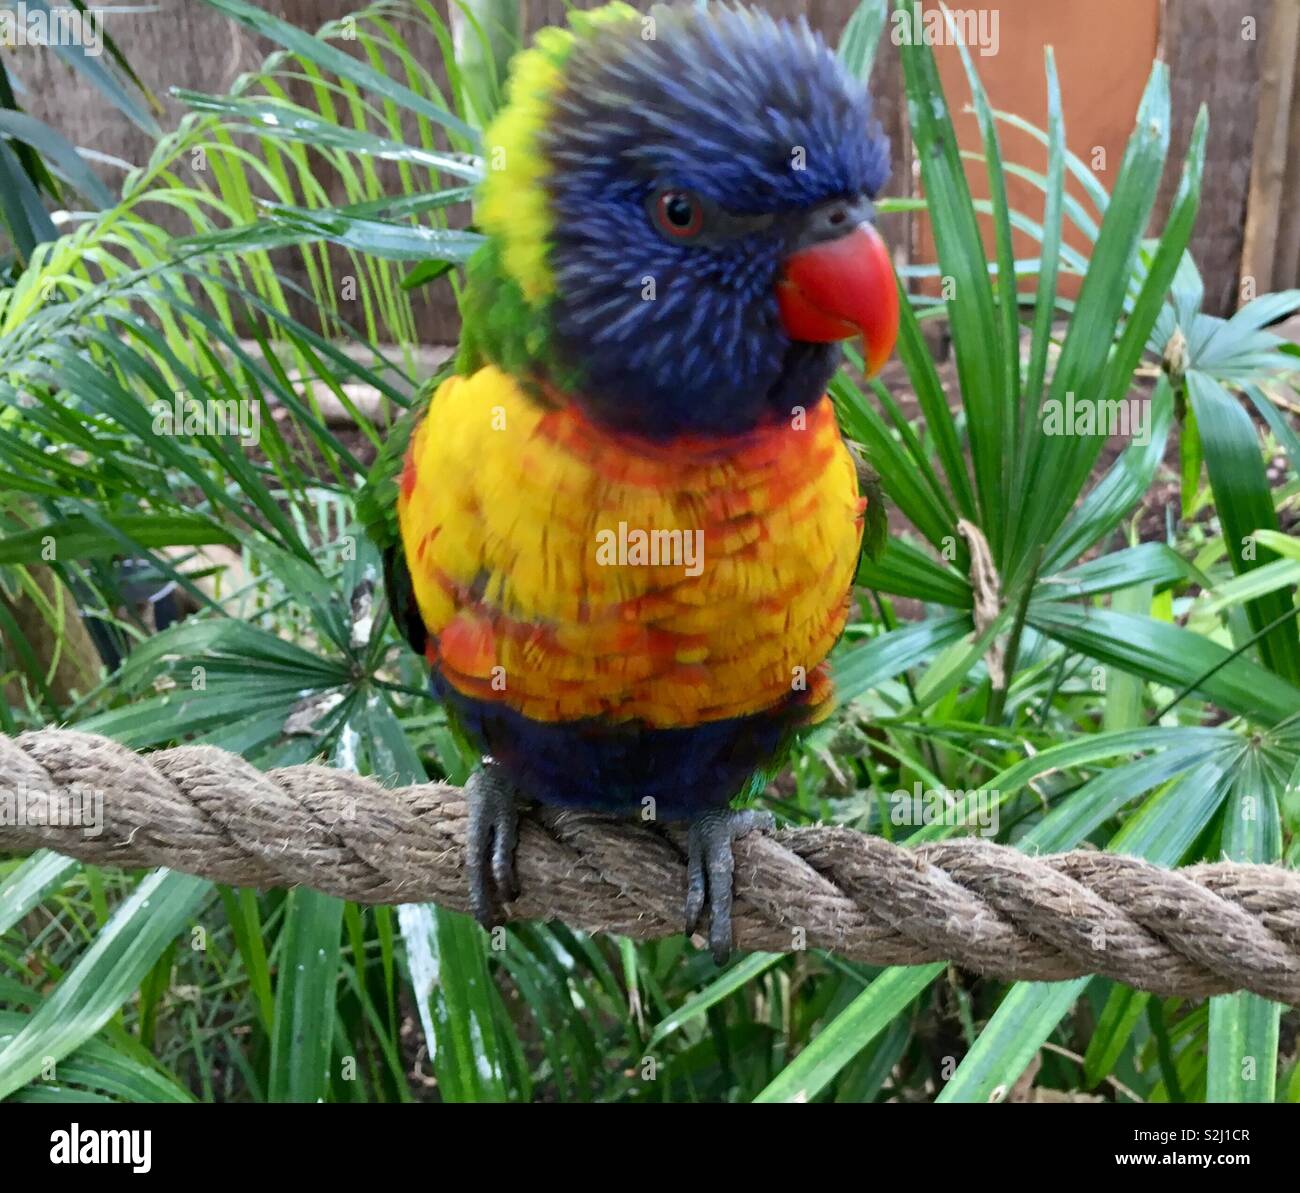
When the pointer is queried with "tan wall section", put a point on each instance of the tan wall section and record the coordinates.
(1103, 50)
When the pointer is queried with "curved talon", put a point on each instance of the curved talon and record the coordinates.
(490, 843)
(695, 886)
(505, 842)
(709, 869)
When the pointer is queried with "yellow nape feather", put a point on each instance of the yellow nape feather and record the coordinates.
(520, 526)
(512, 202)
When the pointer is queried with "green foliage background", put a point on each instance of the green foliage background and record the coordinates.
(1152, 701)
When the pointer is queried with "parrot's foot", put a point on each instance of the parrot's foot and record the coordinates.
(490, 843)
(709, 868)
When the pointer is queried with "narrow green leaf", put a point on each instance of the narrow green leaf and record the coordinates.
(105, 976)
(315, 49)
(1123, 709)
(1059, 464)
(1120, 489)
(95, 1067)
(31, 882)
(1053, 198)
(20, 205)
(306, 991)
(857, 45)
(1119, 1017)
(447, 956)
(1244, 504)
(1147, 564)
(852, 1030)
(865, 665)
(1023, 1020)
(80, 58)
(1242, 1064)
(737, 976)
(904, 570)
(1007, 348)
(923, 374)
(59, 151)
(1277, 423)
(977, 337)
(1169, 655)
(80, 538)
(1161, 832)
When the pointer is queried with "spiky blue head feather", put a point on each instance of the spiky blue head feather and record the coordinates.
(759, 124)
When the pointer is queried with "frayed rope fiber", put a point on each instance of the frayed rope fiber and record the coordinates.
(1205, 929)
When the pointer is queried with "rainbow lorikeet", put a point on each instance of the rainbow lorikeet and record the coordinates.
(628, 523)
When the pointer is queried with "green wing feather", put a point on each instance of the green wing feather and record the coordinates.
(876, 528)
(377, 511)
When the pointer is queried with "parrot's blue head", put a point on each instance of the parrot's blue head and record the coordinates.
(704, 178)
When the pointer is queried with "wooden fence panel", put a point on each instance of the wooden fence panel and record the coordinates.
(1211, 59)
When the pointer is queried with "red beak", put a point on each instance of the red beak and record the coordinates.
(839, 288)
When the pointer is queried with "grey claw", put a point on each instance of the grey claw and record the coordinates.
(709, 870)
(696, 887)
(505, 842)
(490, 843)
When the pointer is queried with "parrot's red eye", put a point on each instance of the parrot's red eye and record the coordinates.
(679, 215)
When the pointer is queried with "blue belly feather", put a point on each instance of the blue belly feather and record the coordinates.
(598, 766)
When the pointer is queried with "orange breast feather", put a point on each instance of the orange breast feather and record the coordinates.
(571, 573)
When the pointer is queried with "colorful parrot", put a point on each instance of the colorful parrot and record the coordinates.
(628, 523)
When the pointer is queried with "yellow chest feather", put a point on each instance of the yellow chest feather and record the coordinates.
(570, 573)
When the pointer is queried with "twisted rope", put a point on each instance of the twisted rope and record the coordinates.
(1206, 929)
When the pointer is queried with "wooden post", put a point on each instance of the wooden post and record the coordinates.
(1269, 249)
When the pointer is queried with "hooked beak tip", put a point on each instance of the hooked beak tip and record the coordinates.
(835, 289)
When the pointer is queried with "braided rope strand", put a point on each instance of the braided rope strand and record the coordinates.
(1207, 929)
